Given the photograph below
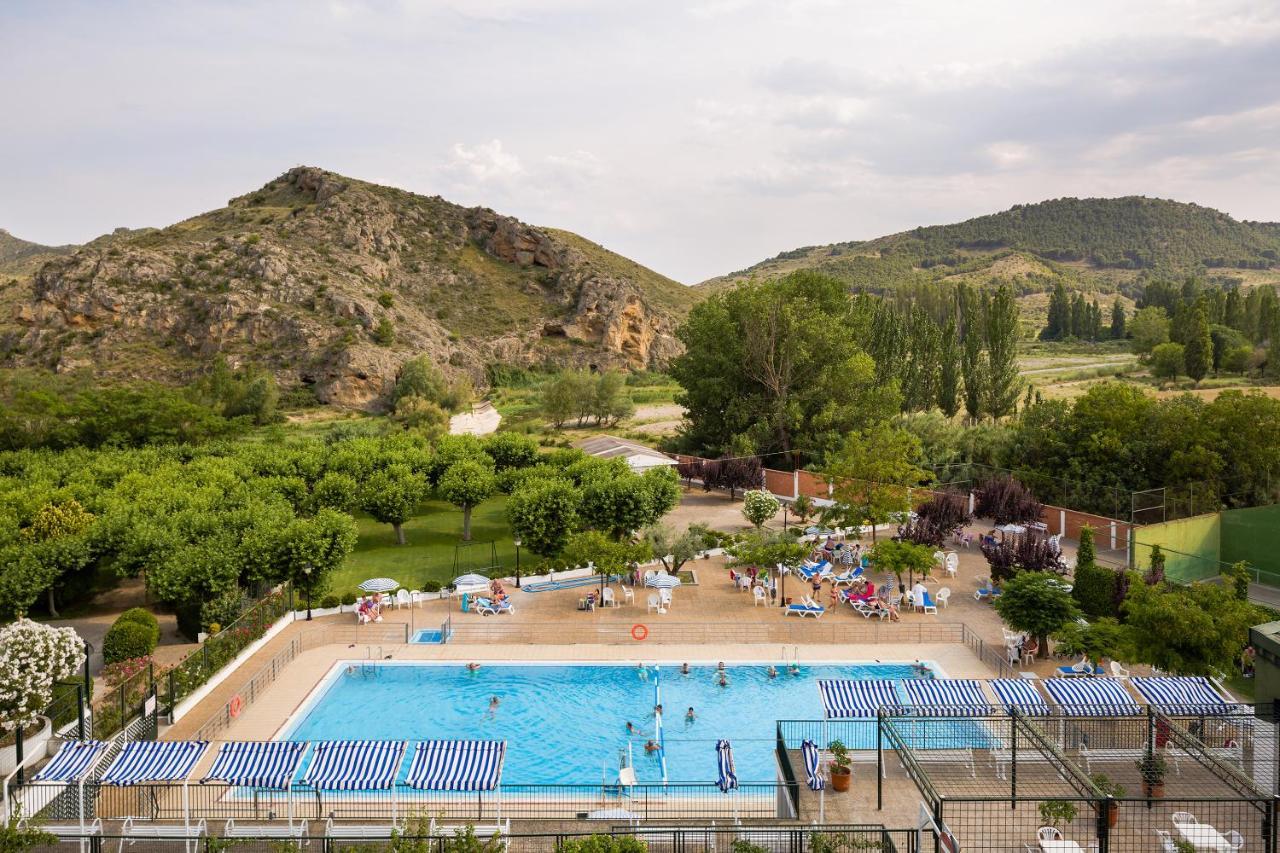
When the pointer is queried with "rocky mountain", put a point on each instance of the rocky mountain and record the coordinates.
(333, 283)
(1097, 243)
(20, 257)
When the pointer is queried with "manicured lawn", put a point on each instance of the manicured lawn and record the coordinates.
(429, 553)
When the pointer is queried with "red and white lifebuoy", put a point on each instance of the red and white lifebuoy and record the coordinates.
(236, 706)
(639, 632)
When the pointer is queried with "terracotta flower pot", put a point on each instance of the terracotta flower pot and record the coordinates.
(1153, 789)
(841, 779)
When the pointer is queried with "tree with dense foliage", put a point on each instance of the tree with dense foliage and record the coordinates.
(1102, 639)
(1155, 567)
(1005, 500)
(945, 514)
(391, 496)
(1149, 329)
(949, 370)
(420, 379)
(872, 474)
(312, 549)
(671, 549)
(1023, 553)
(759, 506)
(761, 361)
(1058, 325)
(973, 359)
(466, 484)
(1168, 361)
(1003, 382)
(543, 512)
(1037, 603)
(1117, 320)
(1199, 345)
(1188, 630)
(901, 559)
(606, 555)
(767, 549)
(510, 450)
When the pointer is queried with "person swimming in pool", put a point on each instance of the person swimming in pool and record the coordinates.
(651, 746)
(642, 672)
(632, 730)
(689, 716)
(473, 666)
(921, 669)
(772, 671)
(720, 666)
(794, 669)
(493, 704)
(657, 710)
(723, 679)
(684, 668)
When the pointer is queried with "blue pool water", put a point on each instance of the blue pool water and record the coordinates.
(427, 635)
(566, 724)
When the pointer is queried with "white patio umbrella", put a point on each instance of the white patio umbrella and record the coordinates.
(662, 582)
(379, 585)
(471, 580)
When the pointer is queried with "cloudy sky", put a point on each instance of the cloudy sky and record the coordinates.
(695, 137)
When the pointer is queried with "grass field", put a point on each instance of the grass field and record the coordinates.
(429, 553)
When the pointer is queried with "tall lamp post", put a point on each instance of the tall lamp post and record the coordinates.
(306, 571)
(517, 542)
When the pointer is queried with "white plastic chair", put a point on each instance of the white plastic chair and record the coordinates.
(1235, 839)
(607, 599)
(939, 558)
(758, 595)
(1166, 842)
(627, 595)
(952, 563)
(943, 595)
(403, 599)
(664, 596)
(654, 604)
(1048, 833)
(1180, 818)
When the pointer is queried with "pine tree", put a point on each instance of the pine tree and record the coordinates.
(1078, 328)
(1117, 320)
(949, 370)
(1233, 310)
(1273, 351)
(973, 362)
(1056, 328)
(1198, 355)
(1003, 384)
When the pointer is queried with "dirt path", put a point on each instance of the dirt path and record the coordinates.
(481, 420)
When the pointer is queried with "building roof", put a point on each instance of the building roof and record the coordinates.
(638, 456)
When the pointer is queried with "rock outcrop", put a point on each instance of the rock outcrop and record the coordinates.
(333, 283)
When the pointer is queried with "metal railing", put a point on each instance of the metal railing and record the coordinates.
(659, 630)
(657, 839)
(248, 694)
(989, 653)
(194, 801)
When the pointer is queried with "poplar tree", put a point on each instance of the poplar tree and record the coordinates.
(1199, 345)
(973, 361)
(949, 370)
(1003, 384)
(1117, 320)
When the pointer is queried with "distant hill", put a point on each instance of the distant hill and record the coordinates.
(20, 257)
(333, 283)
(1106, 244)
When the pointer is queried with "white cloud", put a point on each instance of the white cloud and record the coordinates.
(484, 162)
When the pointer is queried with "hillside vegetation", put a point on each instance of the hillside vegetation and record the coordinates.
(1104, 244)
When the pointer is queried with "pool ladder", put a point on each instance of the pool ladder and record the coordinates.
(368, 669)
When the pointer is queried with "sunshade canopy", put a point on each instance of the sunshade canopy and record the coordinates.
(1019, 694)
(271, 764)
(1092, 697)
(354, 765)
(457, 765)
(154, 761)
(72, 763)
(1185, 695)
(843, 699)
(946, 697)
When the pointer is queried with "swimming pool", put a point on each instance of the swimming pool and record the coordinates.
(428, 635)
(567, 723)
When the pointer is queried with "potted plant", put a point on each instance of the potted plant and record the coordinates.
(1057, 813)
(33, 657)
(1109, 789)
(1152, 767)
(841, 766)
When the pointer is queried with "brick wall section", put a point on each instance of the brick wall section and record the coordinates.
(780, 483)
(812, 485)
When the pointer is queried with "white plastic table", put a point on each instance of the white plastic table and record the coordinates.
(1203, 837)
(1060, 845)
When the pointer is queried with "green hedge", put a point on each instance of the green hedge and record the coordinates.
(143, 617)
(1094, 589)
(126, 640)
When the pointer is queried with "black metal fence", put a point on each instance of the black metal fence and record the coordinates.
(657, 839)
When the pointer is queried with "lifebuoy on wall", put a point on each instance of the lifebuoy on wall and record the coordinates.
(639, 632)
(236, 706)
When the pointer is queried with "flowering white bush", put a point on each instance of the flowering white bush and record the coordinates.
(32, 658)
(759, 506)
